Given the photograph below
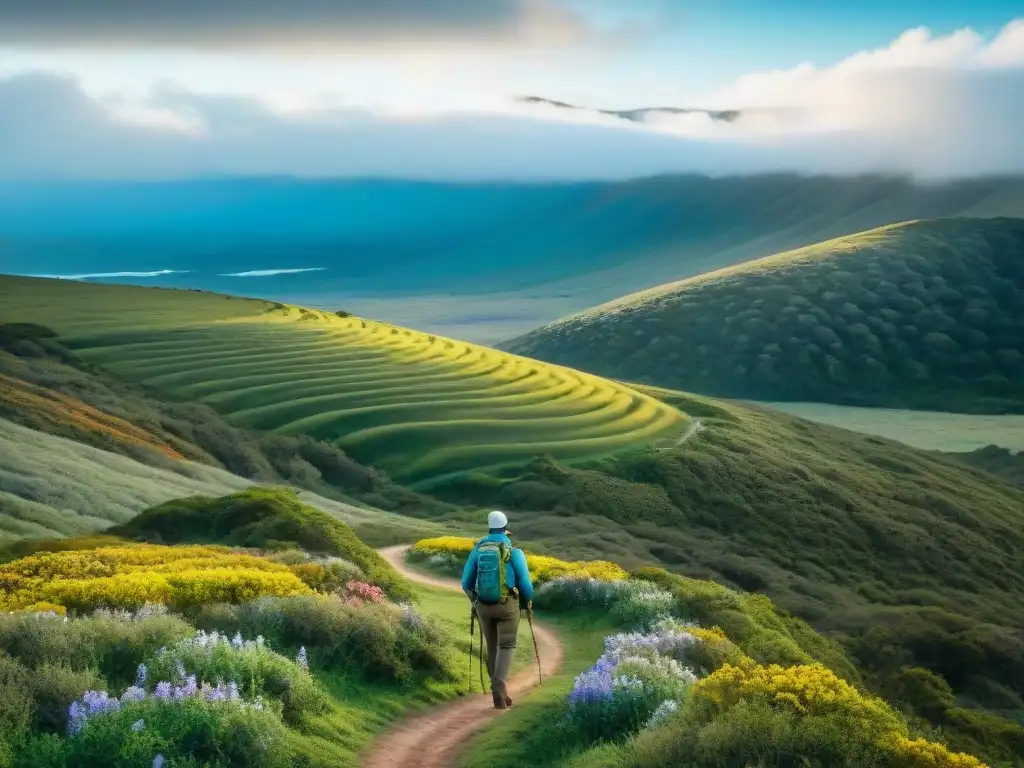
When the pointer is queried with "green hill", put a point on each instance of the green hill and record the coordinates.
(905, 557)
(926, 315)
(414, 405)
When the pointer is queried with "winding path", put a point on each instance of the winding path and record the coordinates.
(434, 738)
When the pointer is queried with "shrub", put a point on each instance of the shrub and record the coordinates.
(806, 689)
(197, 729)
(375, 641)
(16, 705)
(631, 603)
(54, 687)
(130, 576)
(632, 680)
(263, 518)
(249, 665)
(112, 643)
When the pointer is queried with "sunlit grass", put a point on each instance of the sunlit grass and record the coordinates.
(418, 406)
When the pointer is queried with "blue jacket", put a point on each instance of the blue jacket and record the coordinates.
(517, 574)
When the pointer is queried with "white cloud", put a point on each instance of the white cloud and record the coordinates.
(931, 106)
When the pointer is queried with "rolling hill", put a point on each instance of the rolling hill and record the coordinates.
(409, 252)
(415, 405)
(920, 315)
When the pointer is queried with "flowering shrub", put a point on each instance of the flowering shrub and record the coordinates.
(192, 726)
(258, 670)
(542, 568)
(113, 643)
(631, 603)
(359, 592)
(627, 685)
(810, 689)
(919, 753)
(378, 641)
(130, 576)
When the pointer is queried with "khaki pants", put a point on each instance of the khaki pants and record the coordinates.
(500, 625)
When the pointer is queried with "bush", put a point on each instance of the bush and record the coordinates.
(131, 576)
(54, 687)
(632, 679)
(114, 644)
(16, 705)
(250, 665)
(263, 518)
(376, 641)
(191, 732)
(631, 603)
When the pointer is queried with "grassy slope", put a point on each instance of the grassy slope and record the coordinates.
(415, 405)
(53, 486)
(904, 556)
(552, 248)
(926, 315)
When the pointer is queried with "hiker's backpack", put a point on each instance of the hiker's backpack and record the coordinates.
(491, 584)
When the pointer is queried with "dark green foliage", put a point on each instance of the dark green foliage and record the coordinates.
(16, 706)
(53, 688)
(927, 314)
(1002, 463)
(197, 432)
(263, 518)
(752, 622)
(379, 643)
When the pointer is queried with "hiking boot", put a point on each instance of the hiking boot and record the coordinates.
(502, 691)
(499, 700)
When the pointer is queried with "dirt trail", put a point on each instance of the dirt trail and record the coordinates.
(434, 738)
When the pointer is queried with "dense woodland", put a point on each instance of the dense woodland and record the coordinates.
(923, 315)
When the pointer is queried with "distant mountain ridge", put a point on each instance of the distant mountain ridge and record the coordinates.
(638, 115)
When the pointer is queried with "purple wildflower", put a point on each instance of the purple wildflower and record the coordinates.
(138, 725)
(302, 660)
(163, 691)
(140, 676)
(158, 761)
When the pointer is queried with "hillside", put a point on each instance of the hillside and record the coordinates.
(922, 315)
(409, 252)
(906, 558)
(414, 405)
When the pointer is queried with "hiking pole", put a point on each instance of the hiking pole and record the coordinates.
(536, 650)
(483, 688)
(472, 627)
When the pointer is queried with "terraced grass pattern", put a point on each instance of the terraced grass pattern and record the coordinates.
(421, 407)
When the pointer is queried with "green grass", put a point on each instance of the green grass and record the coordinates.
(51, 486)
(929, 430)
(417, 406)
(923, 315)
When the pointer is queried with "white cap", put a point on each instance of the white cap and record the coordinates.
(497, 520)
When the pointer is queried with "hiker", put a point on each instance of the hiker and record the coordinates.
(497, 581)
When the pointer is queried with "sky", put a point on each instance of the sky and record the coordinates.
(426, 88)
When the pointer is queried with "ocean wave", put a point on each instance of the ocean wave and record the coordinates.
(157, 273)
(271, 272)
